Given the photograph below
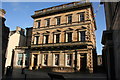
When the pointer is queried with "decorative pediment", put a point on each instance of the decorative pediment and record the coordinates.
(56, 31)
(81, 28)
(46, 33)
(69, 29)
(36, 34)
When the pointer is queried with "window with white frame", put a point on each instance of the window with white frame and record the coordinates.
(56, 38)
(82, 16)
(45, 59)
(20, 59)
(69, 59)
(69, 37)
(36, 40)
(81, 35)
(46, 39)
(56, 59)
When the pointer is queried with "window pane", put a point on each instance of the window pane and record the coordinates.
(56, 59)
(69, 19)
(82, 36)
(45, 59)
(69, 59)
(82, 16)
(47, 22)
(69, 37)
(37, 39)
(58, 20)
(19, 62)
(57, 38)
(38, 24)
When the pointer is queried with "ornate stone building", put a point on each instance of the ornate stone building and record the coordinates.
(63, 39)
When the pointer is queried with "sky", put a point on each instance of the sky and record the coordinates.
(19, 14)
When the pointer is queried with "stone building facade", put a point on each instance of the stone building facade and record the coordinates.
(63, 39)
(16, 38)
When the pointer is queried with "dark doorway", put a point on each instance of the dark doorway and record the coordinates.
(35, 61)
(83, 62)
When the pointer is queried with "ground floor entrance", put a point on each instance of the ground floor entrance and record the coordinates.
(83, 62)
(61, 61)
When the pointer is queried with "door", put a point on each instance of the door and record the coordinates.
(35, 61)
(83, 62)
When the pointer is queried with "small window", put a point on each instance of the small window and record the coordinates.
(82, 16)
(69, 37)
(46, 38)
(69, 19)
(45, 59)
(47, 22)
(81, 35)
(57, 20)
(56, 59)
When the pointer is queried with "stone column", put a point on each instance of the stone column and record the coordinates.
(31, 61)
(50, 38)
(37, 61)
(73, 59)
(49, 59)
(91, 61)
(88, 60)
(62, 37)
(75, 37)
(65, 59)
(78, 61)
(41, 38)
(15, 58)
(61, 58)
(23, 64)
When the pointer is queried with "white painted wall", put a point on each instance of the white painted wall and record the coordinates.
(14, 40)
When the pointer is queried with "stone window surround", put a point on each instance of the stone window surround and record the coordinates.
(78, 33)
(38, 23)
(47, 23)
(54, 59)
(68, 19)
(56, 22)
(46, 58)
(79, 16)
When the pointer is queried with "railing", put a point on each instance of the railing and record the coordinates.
(61, 6)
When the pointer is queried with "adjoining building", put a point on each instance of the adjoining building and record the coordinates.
(16, 38)
(62, 39)
(111, 40)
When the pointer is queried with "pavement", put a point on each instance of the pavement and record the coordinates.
(43, 75)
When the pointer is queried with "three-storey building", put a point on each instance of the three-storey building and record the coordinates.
(63, 38)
